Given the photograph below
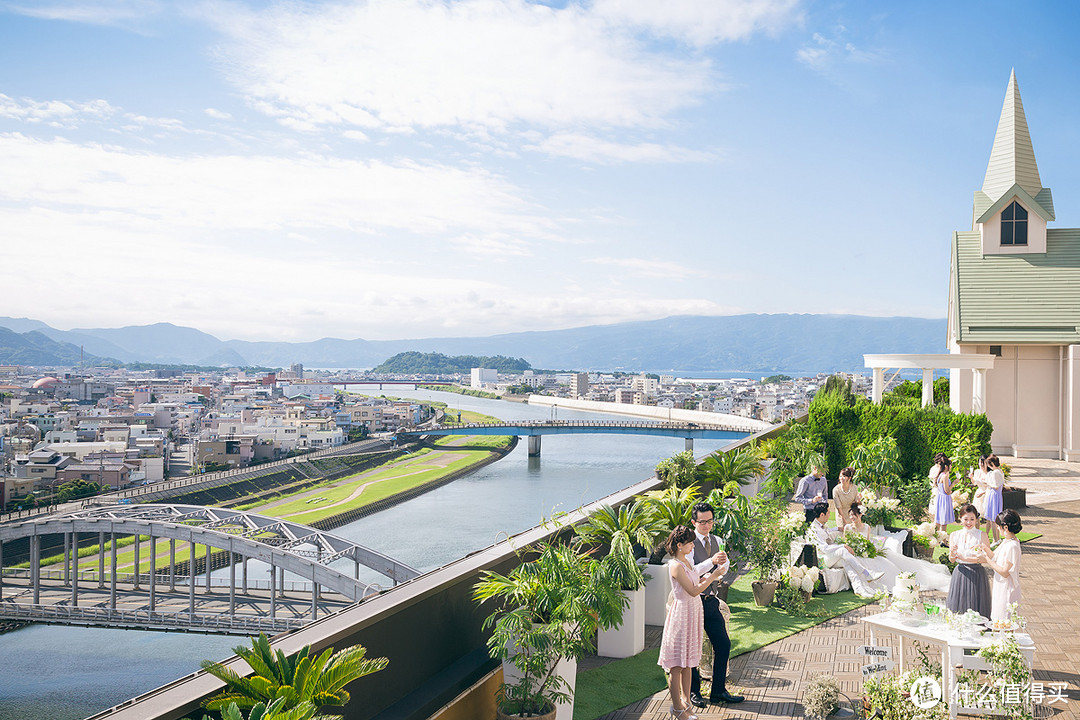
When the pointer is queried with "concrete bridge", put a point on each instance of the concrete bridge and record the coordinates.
(148, 596)
(535, 429)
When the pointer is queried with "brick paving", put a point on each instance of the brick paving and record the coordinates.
(772, 678)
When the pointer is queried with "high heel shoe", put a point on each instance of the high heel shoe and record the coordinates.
(686, 715)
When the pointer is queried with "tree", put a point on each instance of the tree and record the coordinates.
(738, 466)
(274, 711)
(296, 679)
(679, 470)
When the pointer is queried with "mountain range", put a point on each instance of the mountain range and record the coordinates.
(757, 343)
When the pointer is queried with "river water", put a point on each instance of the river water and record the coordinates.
(66, 673)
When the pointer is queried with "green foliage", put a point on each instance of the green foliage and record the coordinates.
(670, 507)
(680, 470)
(299, 678)
(472, 392)
(795, 453)
(551, 609)
(888, 695)
(914, 497)
(77, 488)
(436, 363)
(877, 463)
(274, 711)
(628, 532)
(910, 393)
(739, 466)
(1008, 668)
(919, 432)
(839, 389)
(822, 697)
(775, 379)
(771, 530)
(731, 512)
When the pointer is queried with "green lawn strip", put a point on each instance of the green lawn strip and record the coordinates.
(1021, 536)
(489, 441)
(125, 561)
(387, 488)
(620, 683)
(367, 474)
(336, 493)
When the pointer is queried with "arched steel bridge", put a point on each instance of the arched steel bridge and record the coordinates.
(238, 536)
(534, 429)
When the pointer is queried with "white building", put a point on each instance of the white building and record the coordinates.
(483, 376)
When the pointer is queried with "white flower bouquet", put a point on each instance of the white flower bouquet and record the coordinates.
(803, 578)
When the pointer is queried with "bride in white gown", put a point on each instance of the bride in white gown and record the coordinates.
(929, 576)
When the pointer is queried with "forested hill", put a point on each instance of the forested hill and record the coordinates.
(436, 363)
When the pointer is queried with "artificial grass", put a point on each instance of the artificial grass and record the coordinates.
(620, 683)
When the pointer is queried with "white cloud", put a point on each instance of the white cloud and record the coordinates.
(54, 112)
(103, 12)
(494, 64)
(822, 52)
(650, 268)
(702, 22)
(217, 114)
(264, 192)
(592, 149)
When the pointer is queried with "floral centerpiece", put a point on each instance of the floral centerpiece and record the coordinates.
(927, 538)
(861, 546)
(880, 510)
(803, 578)
(905, 593)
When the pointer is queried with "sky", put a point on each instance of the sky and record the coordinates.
(421, 168)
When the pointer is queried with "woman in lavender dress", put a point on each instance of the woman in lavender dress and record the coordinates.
(943, 507)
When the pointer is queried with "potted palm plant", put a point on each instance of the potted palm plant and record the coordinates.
(551, 608)
(627, 532)
(669, 508)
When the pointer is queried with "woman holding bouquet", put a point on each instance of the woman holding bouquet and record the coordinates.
(928, 575)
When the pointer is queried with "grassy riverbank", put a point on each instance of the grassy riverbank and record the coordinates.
(446, 456)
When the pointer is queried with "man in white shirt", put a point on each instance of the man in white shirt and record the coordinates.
(836, 554)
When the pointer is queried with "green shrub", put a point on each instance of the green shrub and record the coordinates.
(841, 427)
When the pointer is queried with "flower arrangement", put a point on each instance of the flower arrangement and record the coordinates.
(861, 546)
(928, 538)
(803, 578)
(905, 593)
(822, 697)
(1009, 668)
(879, 510)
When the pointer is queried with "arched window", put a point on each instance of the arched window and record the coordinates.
(1014, 221)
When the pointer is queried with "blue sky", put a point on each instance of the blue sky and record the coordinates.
(414, 168)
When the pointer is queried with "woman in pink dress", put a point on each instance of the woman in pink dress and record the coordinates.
(684, 626)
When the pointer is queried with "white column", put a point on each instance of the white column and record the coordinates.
(927, 387)
(1071, 451)
(879, 385)
(978, 391)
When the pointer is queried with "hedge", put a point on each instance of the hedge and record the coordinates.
(840, 427)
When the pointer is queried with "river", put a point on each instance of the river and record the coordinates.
(66, 673)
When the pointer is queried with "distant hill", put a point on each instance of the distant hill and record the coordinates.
(751, 343)
(437, 364)
(36, 348)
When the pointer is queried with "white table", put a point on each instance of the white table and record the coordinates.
(955, 649)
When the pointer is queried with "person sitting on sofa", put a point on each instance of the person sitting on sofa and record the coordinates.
(835, 554)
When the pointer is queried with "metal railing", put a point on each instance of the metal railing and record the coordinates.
(69, 615)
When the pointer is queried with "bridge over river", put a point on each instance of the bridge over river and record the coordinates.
(535, 429)
(161, 588)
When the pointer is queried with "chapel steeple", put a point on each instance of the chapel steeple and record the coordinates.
(1012, 160)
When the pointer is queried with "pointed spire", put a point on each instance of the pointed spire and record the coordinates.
(1012, 161)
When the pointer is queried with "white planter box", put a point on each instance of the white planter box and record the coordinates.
(566, 668)
(657, 588)
(629, 638)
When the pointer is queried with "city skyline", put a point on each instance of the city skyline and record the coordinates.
(422, 169)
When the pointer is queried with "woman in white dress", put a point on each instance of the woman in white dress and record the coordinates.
(1005, 562)
(928, 575)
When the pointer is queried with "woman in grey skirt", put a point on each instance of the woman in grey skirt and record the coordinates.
(970, 587)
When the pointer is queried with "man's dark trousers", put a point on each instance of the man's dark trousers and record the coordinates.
(716, 630)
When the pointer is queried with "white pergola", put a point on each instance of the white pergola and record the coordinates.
(977, 364)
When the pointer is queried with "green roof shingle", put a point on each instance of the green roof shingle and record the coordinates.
(1006, 299)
